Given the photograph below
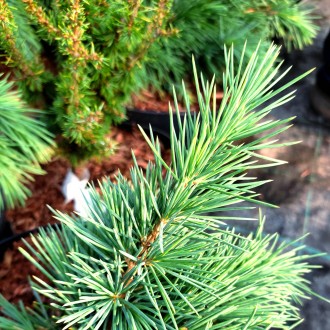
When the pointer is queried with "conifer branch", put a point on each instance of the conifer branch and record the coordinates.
(38, 14)
(153, 252)
(135, 5)
(146, 244)
(24, 144)
(14, 56)
(155, 30)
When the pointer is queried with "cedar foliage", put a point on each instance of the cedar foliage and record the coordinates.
(82, 60)
(153, 251)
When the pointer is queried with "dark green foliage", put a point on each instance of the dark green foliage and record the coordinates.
(206, 27)
(82, 60)
(86, 59)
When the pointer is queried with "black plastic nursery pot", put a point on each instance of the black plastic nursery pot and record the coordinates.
(5, 227)
(323, 74)
(7, 241)
(7, 236)
(159, 121)
(5, 233)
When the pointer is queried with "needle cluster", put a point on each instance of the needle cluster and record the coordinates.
(153, 251)
(24, 144)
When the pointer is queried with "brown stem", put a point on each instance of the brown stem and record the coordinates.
(154, 31)
(146, 244)
(73, 34)
(14, 55)
(135, 4)
(38, 13)
(264, 9)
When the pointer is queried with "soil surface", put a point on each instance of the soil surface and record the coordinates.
(148, 101)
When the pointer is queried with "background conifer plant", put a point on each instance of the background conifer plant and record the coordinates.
(89, 53)
(206, 27)
(153, 251)
(24, 143)
(82, 60)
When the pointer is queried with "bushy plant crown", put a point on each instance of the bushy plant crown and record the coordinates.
(153, 251)
(82, 60)
(206, 27)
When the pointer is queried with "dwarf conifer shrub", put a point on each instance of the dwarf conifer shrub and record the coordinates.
(24, 144)
(153, 251)
(206, 27)
(82, 60)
